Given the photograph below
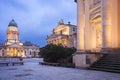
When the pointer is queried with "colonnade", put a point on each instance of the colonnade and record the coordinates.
(106, 23)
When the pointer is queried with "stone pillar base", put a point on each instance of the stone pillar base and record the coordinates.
(79, 59)
(85, 59)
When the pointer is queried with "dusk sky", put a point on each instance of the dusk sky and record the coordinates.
(35, 18)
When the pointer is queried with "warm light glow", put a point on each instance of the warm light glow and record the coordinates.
(63, 34)
(15, 52)
(64, 42)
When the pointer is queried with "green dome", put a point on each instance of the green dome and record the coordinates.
(12, 23)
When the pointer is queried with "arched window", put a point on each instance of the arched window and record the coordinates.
(3, 54)
(34, 54)
(30, 52)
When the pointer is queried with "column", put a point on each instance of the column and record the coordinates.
(115, 29)
(87, 30)
(60, 41)
(80, 25)
(106, 24)
(80, 59)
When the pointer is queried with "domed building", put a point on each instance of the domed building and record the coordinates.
(31, 50)
(13, 45)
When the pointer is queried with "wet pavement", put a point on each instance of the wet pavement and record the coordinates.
(32, 70)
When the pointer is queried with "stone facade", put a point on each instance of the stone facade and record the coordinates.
(98, 30)
(2, 50)
(31, 50)
(13, 47)
(64, 34)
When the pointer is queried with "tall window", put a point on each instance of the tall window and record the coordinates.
(2, 52)
(30, 52)
(14, 36)
(34, 54)
(73, 29)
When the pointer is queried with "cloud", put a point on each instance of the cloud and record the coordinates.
(36, 18)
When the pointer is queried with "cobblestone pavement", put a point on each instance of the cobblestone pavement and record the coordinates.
(31, 70)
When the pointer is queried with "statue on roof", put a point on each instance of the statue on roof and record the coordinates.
(61, 22)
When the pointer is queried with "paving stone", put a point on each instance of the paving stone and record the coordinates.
(32, 70)
(22, 75)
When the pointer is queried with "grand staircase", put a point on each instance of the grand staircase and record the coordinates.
(109, 62)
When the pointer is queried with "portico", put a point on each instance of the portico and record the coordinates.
(14, 48)
(98, 30)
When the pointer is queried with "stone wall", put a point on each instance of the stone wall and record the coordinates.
(85, 59)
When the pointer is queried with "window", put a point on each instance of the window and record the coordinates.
(14, 36)
(34, 54)
(73, 29)
(3, 51)
(30, 52)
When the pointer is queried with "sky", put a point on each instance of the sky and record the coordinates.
(35, 18)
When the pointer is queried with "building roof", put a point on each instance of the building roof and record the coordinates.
(12, 23)
(28, 43)
(2, 45)
(56, 36)
(61, 22)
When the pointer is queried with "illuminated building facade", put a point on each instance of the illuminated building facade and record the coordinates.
(2, 50)
(98, 30)
(64, 34)
(31, 50)
(13, 45)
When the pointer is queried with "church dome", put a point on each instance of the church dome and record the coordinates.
(12, 23)
(27, 43)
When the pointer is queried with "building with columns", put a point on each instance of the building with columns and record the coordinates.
(2, 50)
(13, 47)
(31, 50)
(98, 30)
(64, 34)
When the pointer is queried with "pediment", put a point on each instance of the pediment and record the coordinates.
(60, 26)
(14, 45)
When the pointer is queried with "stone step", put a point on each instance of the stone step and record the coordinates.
(103, 61)
(109, 62)
(111, 59)
(108, 67)
(102, 69)
(116, 65)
